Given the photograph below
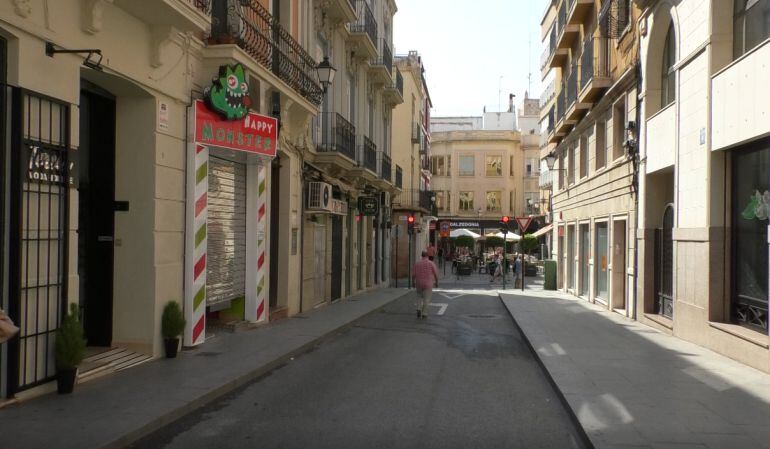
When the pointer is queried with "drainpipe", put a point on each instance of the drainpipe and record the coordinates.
(638, 69)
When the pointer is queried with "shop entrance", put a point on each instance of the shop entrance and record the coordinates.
(96, 216)
(336, 286)
(664, 265)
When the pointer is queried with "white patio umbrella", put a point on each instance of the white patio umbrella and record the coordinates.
(510, 237)
(463, 232)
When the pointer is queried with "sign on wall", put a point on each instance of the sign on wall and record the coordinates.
(254, 133)
(49, 165)
(368, 205)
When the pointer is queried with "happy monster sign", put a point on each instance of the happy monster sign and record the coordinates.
(253, 133)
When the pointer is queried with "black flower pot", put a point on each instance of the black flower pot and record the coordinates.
(172, 346)
(65, 380)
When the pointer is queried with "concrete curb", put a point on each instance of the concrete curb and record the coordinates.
(255, 374)
(573, 417)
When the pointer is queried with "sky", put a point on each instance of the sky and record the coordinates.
(467, 45)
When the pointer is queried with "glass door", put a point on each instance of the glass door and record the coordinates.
(585, 256)
(602, 262)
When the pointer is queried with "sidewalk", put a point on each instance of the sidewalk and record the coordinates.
(631, 386)
(119, 409)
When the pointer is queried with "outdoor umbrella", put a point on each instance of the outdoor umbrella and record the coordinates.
(510, 237)
(463, 232)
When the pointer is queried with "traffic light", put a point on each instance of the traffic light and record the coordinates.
(504, 223)
(410, 223)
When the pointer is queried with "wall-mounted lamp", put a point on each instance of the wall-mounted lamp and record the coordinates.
(325, 73)
(92, 60)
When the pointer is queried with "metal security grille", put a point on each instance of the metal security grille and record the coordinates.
(664, 270)
(226, 272)
(40, 184)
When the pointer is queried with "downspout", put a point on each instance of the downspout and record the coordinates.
(638, 70)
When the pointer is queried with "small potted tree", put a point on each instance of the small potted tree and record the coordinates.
(69, 350)
(172, 326)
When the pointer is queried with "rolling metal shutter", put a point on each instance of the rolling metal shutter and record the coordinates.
(226, 267)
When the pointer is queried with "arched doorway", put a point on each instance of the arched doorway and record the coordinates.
(664, 265)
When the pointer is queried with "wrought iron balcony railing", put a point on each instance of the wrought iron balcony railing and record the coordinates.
(385, 57)
(572, 85)
(416, 132)
(562, 18)
(367, 154)
(399, 177)
(366, 22)
(335, 134)
(352, 3)
(203, 5)
(595, 61)
(249, 25)
(399, 82)
(561, 104)
(386, 172)
(412, 198)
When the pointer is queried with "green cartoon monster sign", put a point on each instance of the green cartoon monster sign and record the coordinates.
(229, 93)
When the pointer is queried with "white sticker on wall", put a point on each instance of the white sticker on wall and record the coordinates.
(163, 115)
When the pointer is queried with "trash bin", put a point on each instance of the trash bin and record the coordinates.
(549, 267)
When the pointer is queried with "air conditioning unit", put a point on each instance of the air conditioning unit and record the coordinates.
(319, 196)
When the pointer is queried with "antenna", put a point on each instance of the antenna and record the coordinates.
(529, 77)
(499, 89)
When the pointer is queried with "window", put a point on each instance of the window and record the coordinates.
(583, 156)
(751, 25)
(530, 167)
(466, 201)
(562, 167)
(531, 202)
(440, 200)
(668, 75)
(437, 166)
(618, 128)
(449, 165)
(511, 166)
(601, 143)
(750, 202)
(466, 165)
(494, 165)
(511, 203)
(571, 165)
(494, 201)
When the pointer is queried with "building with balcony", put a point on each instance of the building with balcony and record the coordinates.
(481, 174)
(703, 174)
(411, 155)
(224, 171)
(591, 54)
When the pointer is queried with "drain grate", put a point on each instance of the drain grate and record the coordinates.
(483, 316)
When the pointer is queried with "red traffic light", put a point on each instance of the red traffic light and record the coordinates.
(505, 219)
(410, 219)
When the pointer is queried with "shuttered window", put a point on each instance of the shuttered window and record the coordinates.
(226, 267)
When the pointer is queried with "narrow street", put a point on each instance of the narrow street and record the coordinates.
(464, 378)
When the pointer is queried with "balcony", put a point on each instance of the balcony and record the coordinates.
(552, 57)
(251, 27)
(363, 32)
(394, 95)
(577, 10)
(339, 10)
(384, 169)
(411, 199)
(335, 143)
(566, 33)
(562, 124)
(399, 177)
(185, 15)
(595, 69)
(417, 134)
(381, 67)
(575, 109)
(366, 159)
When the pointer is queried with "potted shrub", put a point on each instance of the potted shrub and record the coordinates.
(69, 350)
(172, 326)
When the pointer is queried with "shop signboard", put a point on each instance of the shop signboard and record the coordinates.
(368, 205)
(444, 229)
(223, 119)
(49, 165)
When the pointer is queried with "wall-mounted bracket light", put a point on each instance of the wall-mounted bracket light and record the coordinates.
(92, 60)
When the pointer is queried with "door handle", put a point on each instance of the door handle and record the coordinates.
(105, 238)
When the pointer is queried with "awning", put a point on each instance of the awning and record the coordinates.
(542, 231)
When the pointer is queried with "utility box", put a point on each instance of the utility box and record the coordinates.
(549, 267)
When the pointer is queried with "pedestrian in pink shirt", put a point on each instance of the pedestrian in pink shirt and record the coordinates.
(425, 276)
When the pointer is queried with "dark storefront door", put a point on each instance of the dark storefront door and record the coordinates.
(96, 218)
(336, 257)
(664, 265)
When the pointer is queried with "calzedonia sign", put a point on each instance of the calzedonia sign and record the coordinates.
(223, 119)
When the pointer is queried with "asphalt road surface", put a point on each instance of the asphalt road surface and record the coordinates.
(463, 379)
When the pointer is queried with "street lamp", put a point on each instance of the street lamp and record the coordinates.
(326, 73)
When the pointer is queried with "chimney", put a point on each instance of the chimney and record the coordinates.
(510, 102)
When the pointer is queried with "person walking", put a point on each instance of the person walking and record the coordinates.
(425, 276)
(431, 250)
(518, 274)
